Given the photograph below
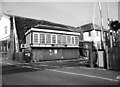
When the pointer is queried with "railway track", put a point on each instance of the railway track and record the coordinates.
(54, 64)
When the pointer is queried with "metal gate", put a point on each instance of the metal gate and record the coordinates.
(86, 50)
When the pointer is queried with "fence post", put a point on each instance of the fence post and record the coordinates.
(91, 55)
(107, 59)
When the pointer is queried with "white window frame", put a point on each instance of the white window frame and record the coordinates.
(38, 37)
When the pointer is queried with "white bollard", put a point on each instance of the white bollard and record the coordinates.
(118, 78)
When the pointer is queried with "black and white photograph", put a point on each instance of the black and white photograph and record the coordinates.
(60, 43)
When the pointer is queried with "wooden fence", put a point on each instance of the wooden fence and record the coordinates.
(114, 58)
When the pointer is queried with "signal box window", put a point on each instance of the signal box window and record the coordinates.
(42, 38)
(73, 39)
(35, 37)
(59, 38)
(54, 39)
(48, 38)
(68, 39)
(64, 39)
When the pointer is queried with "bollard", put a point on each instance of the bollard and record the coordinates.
(118, 78)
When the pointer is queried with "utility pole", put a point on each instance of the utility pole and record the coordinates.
(102, 37)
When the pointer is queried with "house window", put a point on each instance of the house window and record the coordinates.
(68, 39)
(97, 33)
(89, 33)
(59, 39)
(5, 30)
(76, 40)
(64, 39)
(35, 37)
(54, 38)
(42, 38)
(48, 38)
(73, 39)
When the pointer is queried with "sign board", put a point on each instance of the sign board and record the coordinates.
(23, 46)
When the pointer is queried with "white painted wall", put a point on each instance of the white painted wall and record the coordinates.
(93, 36)
(4, 24)
(86, 36)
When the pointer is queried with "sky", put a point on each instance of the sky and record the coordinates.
(68, 13)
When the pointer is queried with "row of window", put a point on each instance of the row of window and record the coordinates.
(47, 38)
(3, 48)
(97, 33)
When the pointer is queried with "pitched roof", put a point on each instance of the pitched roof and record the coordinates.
(89, 27)
(53, 28)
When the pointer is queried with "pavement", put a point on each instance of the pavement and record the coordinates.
(63, 73)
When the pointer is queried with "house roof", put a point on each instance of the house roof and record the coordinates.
(89, 27)
(53, 28)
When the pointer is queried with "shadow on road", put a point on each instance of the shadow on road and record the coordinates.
(12, 69)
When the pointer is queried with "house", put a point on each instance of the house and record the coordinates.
(4, 36)
(91, 34)
(52, 42)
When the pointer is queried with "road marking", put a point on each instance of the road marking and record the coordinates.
(91, 68)
(83, 75)
(85, 68)
(23, 63)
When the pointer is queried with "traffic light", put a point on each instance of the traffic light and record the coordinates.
(114, 25)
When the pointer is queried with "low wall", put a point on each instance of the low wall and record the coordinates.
(18, 57)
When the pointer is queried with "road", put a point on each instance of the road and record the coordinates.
(44, 74)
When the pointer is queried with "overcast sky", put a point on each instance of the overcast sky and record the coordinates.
(68, 13)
